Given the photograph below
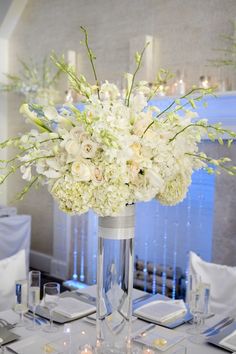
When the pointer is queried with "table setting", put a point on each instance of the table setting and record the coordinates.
(65, 323)
(115, 151)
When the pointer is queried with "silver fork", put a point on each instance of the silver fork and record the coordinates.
(6, 324)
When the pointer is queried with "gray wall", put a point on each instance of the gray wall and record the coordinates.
(187, 31)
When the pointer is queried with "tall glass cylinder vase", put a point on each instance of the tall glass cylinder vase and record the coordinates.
(115, 281)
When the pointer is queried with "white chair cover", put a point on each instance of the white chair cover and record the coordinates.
(15, 234)
(222, 280)
(11, 269)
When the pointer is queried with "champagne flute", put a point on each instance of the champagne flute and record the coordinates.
(51, 293)
(34, 294)
(1, 341)
(21, 300)
(199, 299)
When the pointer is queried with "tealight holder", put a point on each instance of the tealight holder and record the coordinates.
(86, 349)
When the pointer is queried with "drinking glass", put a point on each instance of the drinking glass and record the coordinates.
(1, 350)
(34, 294)
(205, 289)
(51, 293)
(21, 300)
(199, 300)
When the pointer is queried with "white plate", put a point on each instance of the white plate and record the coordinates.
(30, 345)
(153, 337)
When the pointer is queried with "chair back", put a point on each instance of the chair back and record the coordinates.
(222, 280)
(11, 269)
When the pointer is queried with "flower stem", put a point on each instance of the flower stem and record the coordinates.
(27, 188)
(91, 58)
(221, 131)
(135, 73)
(231, 170)
(14, 168)
(172, 104)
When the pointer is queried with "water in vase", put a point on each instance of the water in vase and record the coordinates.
(115, 283)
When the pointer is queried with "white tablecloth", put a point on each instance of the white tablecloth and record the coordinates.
(80, 332)
(15, 235)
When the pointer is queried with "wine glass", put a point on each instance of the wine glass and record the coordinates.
(21, 300)
(199, 301)
(1, 350)
(34, 294)
(51, 293)
(193, 303)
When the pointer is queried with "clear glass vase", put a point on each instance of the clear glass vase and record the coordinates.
(115, 281)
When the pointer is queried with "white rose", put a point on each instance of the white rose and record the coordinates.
(80, 171)
(97, 176)
(88, 149)
(76, 132)
(72, 147)
(83, 136)
(26, 171)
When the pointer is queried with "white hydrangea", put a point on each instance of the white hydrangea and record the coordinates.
(111, 155)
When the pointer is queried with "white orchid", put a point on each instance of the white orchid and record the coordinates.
(118, 150)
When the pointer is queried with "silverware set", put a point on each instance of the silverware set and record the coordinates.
(218, 327)
(39, 320)
(6, 324)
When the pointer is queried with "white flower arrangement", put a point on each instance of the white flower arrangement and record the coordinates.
(117, 151)
(36, 82)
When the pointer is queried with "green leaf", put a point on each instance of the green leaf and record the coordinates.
(137, 57)
(191, 101)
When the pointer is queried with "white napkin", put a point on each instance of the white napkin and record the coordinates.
(229, 341)
(92, 291)
(73, 308)
(162, 311)
(9, 316)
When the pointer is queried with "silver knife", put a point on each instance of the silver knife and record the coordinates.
(88, 297)
(142, 298)
(11, 350)
(216, 325)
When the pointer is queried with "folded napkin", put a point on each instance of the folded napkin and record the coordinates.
(7, 336)
(10, 316)
(162, 311)
(229, 341)
(73, 308)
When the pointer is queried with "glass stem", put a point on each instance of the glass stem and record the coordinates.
(51, 321)
(34, 317)
(21, 318)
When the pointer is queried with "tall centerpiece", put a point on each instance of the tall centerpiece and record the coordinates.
(118, 150)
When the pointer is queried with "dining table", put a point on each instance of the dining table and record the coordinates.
(70, 337)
